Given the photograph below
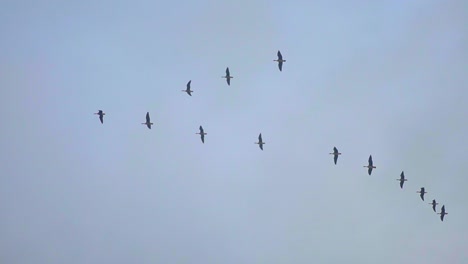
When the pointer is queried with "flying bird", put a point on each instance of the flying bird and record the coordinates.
(148, 121)
(434, 205)
(422, 192)
(442, 213)
(260, 141)
(370, 166)
(202, 134)
(101, 116)
(188, 91)
(228, 76)
(280, 60)
(335, 154)
(402, 179)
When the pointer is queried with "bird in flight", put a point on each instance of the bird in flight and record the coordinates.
(148, 121)
(442, 213)
(335, 154)
(370, 166)
(202, 134)
(188, 91)
(260, 141)
(101, 116)
(280, 60)
(402, 179)
(228, 76)
(434, 203)
(422, 192)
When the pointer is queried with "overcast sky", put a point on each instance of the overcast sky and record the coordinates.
(387, 78)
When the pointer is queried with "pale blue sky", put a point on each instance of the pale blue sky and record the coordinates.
(387, 78)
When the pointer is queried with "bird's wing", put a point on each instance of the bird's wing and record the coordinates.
(401, 184)
(261, 146)
(188, 85)
(228, 80)
(201, 130)
(227, 72)
(202, 138)
(335, 150)
(101, 117)
(280, 65)
(280, 57)
(369, 170)
(370, 161)
(443, 209)
(147, 117)
(442, 217)
(335, 158)
(189, 93)
(402, 175)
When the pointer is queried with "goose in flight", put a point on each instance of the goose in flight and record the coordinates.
(260, 141)
(228, 76)
(422, 192)
(280, 60)
(101, 116)
(434, 205)
(442, 213)
(402, 179)
(370, 166)
(148, 121)
(335, 154)
(202, 134)
(188, 91)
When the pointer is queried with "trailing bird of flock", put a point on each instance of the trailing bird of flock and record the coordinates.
(260, 142)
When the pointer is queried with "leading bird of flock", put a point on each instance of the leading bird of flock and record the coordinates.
(202, 134)
(335, 154)
(442, 213)
(422, 192)
(402, 179)
(370, 166)
(280, 60)
(101, 116)
(148, 121)
(260, 141)
(228, 76)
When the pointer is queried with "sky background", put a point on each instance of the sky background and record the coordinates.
(387, 78)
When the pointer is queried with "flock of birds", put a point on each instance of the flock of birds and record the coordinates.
(260, 142)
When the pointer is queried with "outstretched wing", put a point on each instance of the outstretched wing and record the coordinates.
(188, 85)
(371, 163)
(101, 117)
(227, 72)
(228, 80)
(335, 150)
(402, 175)
(401, 184)
(280, 57)
(280, 65)
(260, 138)
(261, 146)
(147, 118)
(369, 170)
(202, 136)
(201, 130)
(335, 158)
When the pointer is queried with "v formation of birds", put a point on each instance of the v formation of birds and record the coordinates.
(260, 142)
